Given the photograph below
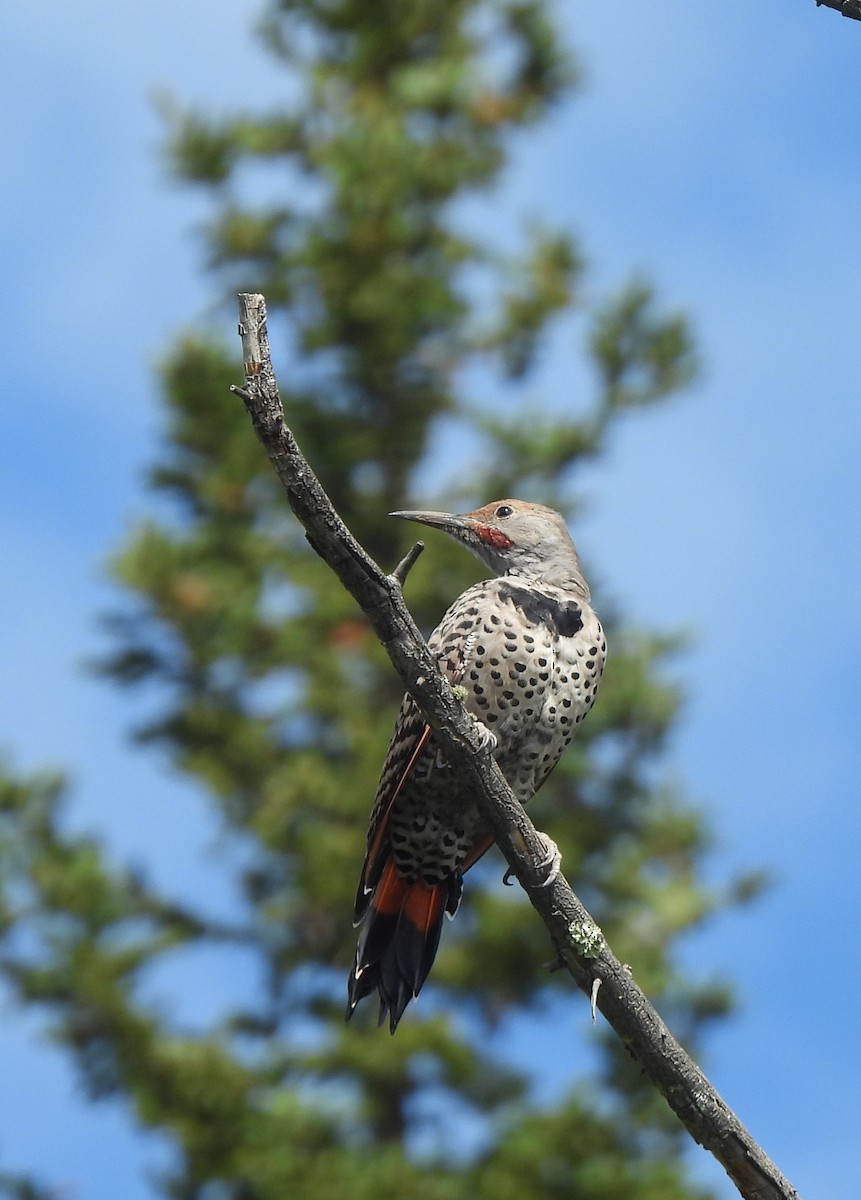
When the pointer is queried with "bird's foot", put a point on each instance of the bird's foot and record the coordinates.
(552, 861)
(488, 738)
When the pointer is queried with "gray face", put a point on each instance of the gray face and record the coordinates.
(514, 537)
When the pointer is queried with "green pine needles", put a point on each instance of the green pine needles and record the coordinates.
(276, 699)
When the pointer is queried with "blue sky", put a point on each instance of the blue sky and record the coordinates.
(714, 147)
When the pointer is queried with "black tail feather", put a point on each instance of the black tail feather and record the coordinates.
(398, 942)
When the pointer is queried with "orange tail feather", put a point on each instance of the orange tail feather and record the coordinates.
(400, 933)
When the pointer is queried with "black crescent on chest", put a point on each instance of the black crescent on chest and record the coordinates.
(563, 616)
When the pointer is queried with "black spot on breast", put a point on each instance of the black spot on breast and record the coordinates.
(565, 617)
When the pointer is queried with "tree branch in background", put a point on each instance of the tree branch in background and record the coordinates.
(849, 8)
(578, 940)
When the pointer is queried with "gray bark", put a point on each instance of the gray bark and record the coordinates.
(849, 8)
(581, 946)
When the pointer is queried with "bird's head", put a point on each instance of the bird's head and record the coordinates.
(514, 537)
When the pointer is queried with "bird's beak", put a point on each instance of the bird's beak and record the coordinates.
(450, 522)
(469, 528)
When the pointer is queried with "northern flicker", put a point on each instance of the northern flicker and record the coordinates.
(528, 651)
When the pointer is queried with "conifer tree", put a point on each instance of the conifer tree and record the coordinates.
(275, 696)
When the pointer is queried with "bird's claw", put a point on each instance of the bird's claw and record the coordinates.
(551, 863)
(488, 738)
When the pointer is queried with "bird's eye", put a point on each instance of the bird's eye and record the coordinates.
(504, 510)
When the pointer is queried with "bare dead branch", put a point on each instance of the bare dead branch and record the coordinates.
(407, 563)
(578, 940)
(849, 8)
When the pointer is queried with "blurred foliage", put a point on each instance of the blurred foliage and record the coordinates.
(274, 696)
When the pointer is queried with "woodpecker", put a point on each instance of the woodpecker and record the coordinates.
(527, 651)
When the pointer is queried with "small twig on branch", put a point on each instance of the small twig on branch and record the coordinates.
(576, 937)
(593, 999)
(849, 8)
(407, 563)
